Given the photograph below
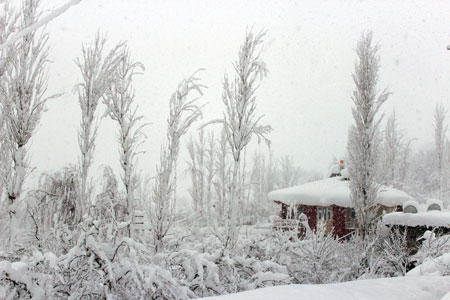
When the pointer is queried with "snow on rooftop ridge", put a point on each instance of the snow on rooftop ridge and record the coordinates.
(430, 218)
(331, 191)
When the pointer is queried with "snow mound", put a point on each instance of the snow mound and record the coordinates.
(430, 218)
(331, 191)
(438, 266)
(399, 288)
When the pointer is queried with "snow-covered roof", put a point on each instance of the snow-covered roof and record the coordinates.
(422, 218)
(331, 191)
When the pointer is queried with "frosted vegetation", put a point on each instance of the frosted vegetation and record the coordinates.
(123, 238)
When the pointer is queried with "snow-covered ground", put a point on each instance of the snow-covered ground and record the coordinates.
(407, 288)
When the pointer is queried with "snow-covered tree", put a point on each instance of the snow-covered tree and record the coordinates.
(440, 131)
(23, 98)
(289, 172)
(241, 121)
(222, 181)
(53, 203)
(97, 74)
(7, 25)
(23, 31)
(362, 145)
(201, 168)
(209, 170)
(394, 159)
(259, 176)
(109, 206)
(391, 149)
(423, 163)
(196, 158)
(119, 99)
(264, 179)
(183, 112)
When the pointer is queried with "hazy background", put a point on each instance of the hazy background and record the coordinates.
(309, 51)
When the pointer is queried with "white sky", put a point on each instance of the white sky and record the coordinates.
(309, 51)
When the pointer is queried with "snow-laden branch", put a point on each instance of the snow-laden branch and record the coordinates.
(50, 17)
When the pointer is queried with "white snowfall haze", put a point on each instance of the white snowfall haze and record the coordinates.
(175, 150)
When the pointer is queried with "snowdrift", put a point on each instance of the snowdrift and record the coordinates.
(398, 288)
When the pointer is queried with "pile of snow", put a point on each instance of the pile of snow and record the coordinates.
(331, 191)
(408, 288)
(423, 217)
(430, 218)
(438, 266)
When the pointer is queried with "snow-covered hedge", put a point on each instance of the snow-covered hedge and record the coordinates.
(104, 264)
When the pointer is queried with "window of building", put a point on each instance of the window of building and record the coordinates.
(434, 206)
(411, 209)
(324, 213)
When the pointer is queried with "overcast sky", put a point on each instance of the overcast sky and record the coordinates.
(309, 51)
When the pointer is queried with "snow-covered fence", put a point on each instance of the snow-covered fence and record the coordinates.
(285, 224)
(140, 221)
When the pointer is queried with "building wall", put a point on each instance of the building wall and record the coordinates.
(386, 209)
(311, 213)
(339, 220)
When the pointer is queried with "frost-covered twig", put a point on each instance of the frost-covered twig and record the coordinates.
(119, 99)
(23, 99)
(36, 25)
(240, 119)
(97, 72)
(183, 112)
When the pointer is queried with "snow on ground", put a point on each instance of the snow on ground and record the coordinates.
(398, 288)
(331, 191)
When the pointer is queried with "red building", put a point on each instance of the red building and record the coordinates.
(328, 201)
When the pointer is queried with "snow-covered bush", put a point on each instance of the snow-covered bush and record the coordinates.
(309, 260)
(95, 268)
(432, 247)
(16, 282)
(207, 268)
(433, 257)
(381, 254)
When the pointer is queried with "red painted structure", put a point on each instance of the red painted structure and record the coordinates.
(341, 222)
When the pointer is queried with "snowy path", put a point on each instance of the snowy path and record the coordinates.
(399, 288)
